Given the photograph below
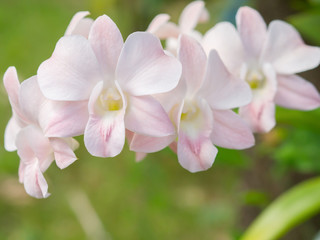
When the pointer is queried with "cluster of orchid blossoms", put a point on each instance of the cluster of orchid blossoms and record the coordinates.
(183, 96)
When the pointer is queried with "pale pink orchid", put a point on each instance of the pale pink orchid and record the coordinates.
(194, 13)
(34, 117)
(79, 24)
(200, 108)
(116, 80)
(267, 59)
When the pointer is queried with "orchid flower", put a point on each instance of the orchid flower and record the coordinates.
(116, 80)
(33, 117)
(200, 108)
(267, 60)
(194, 13)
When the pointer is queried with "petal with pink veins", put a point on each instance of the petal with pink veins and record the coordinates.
(79, 25)
(193, 60)
(260, 115)
(195, 154)
(106, 41)
(224, 38)
(221, 89)
(147, 144)
(71, 72)
(231, 131)
(287, 52)
(296, 93)
(144, 68)
(252, 30)
(63, 153)
(104, 136)
(146, 116)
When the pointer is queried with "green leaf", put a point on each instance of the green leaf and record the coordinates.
(315, 2)
(291, 208)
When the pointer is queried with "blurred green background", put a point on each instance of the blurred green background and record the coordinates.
(118, 198)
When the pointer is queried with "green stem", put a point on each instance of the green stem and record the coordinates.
(291, 208)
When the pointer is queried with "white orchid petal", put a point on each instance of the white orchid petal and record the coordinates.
(231, 131)
(106, 41)
(10, 134)
(252, 30)
(39, 149)
(79, 25)
(71, 72)
(63, 153)
(31, 99)
(144, 68)
(64, 119)
(193, 60)
(191, 15)
(260, 115)
(157, 22)
(225, 39)
(146, 116)
(286, 50)
(147, 144)
(221, 89)
(12, 86)
(297, 93)
(162, 28)
(34, 181)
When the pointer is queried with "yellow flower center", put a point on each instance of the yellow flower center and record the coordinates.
(189, 112)
(256, 79)
(110, 100)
